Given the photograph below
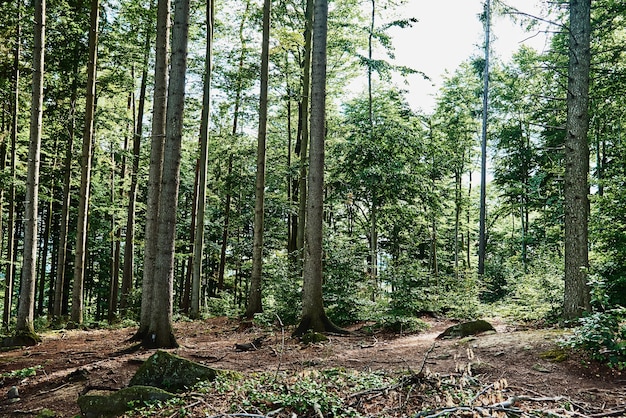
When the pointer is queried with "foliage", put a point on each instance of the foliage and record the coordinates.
(21, 373)
(603, 336)
(302, 393)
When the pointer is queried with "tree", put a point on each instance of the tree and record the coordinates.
(26, 307)
(254, 295)
(10, 267)
(129, 244)
(482, 240)
(85, 180)
(157, 144)
(160, 332)
(202, 164)
(313, 314)
(576, 299)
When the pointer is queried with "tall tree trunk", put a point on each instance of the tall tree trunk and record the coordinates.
(237, 105)
(129, 243)
(160, 333)
(10, 268)
(457, 219)
(116, 231)
(156, 163)
(85, 179)
(25, 313)
(313, 314)
(59, 282)
(254, 297)
(303, 149)
(482, 238)
(43, 264)
(576, 299)
(203, 162)
(225, 227)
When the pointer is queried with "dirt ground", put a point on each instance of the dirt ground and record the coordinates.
(69, 362)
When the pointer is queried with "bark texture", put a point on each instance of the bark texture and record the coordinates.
(576, 298)
(26, 307)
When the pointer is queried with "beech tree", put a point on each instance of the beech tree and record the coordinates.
(160, 332)
(254, 295)
(157, 144)
(313, 314)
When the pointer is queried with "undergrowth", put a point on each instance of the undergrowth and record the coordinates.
(342, 393)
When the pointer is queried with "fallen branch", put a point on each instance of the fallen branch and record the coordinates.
(612, 413)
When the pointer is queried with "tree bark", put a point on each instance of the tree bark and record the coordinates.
(129, 244)
(10, 268)
(303, 148)
(156, 163)
(255, 296)
(482, 238)
(576, 298)
(202, 165)
(160, 333)
(85, 180)
(313, 314)
(25, 314)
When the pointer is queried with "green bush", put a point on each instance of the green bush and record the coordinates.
(603, 336)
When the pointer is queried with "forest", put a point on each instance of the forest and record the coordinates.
(164, 162)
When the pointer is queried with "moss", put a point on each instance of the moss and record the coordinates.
(466, 329)
(556, 355)
(111, 404)
(170, 372)
(311, 337)
(21, 338)
(47, 413)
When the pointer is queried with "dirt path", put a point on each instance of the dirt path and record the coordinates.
(68, 362)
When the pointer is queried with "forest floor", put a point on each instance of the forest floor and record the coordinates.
(505, 372)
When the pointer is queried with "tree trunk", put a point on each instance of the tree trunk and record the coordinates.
(576, 299)
(303, 149)
(85, 180)
(129, 244)
(156, 163)
(482, 239)
(44, 259)
(25, 314)
(313, 314)
(203, 162)
(160, 332)
(222, 265)
(254, 297)
(10, 268)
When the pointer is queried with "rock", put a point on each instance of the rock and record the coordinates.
(170, 372)
(21, 339)
(97, 404)
(466, 329)
(13, 393)
(311, 337)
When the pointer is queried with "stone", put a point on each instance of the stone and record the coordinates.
(466, 329)
(98, 403)
(13, 393)
(170, 372)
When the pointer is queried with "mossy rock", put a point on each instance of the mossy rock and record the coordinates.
(556, 355)
(170, 372)
(311, 337)
(97, 404)
(466, 329)
(21, 339)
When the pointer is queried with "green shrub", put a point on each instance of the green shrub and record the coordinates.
(603, 336)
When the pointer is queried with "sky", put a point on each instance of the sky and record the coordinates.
(447, 33)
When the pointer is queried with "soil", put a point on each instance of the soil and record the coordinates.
(69, 362)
